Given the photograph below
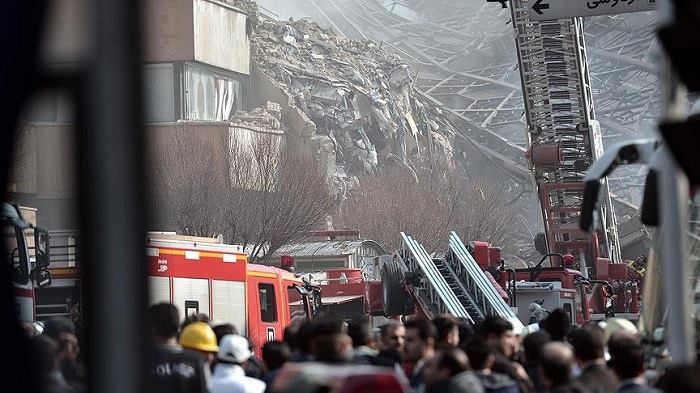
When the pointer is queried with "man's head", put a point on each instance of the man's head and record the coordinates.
(55, 326)
(361, 333)
(163, 321)
(588, 343)
(290, 336)
(330, 341)
(224, 329)
(447, 332)
(419, 341)
(445, 365)
(626, 355)
(556, 363)
(557, 324)
(199, 337)
(275, 354)
(498, 333)
(62, 330)
(533, 344)
(199, 317)
(466, 331)
(392, 336)
(480, 355)
(303, 337)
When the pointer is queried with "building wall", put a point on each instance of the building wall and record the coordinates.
(203, 30)
(220, 37)
(44, 174)
(168, 30)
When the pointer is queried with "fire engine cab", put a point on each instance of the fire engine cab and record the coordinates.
(203, 275)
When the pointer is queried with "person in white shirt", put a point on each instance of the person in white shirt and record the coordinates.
(229, 375)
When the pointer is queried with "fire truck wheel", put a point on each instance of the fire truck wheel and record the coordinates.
(393, 293)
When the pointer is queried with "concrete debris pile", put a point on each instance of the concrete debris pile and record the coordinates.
(261, 118)
(356, 104)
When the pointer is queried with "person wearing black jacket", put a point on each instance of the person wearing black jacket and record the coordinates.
(589, 350)
(173, 369)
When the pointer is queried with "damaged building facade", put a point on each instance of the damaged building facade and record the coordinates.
(353, 103)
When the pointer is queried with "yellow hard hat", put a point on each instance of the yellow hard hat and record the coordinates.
(199, 336)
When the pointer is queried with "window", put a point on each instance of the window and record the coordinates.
(268, 307)
(159, 93)
(296, 305)
(15, 258)
(50, 107)
(210, 96)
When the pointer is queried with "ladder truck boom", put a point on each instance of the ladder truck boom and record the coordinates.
(564, 136)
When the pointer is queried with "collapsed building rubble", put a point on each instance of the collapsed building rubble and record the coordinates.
(354, 103)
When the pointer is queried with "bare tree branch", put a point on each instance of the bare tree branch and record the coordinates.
(439, 202)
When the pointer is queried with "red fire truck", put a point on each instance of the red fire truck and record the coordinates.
(199, 274)
(26, 248)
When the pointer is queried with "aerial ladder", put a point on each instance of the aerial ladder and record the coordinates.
(563, 133)
(452, 283)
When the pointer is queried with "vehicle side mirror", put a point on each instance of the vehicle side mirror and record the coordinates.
(41, 246)
(43, 278)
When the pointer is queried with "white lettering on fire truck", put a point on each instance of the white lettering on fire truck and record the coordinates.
(162, 265)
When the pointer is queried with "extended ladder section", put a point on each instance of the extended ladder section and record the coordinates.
(435, 295)
(483, 296)
(564, 136)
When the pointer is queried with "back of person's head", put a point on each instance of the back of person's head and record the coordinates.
(303, 336)
(588, 343)
(290, 336)
(163, 320)
(44, 351)
(224, 329)
(275, 354)
(685, 378)
(557, 324)
(453, 360)
(446, 328)
(329, 340)
(533, 344)
(424, 328)
(626, 355)
(466, 330)
(494, 325)
(360, 332)
(55, 326)
(556, 362)
(199, 317)
(479, 353)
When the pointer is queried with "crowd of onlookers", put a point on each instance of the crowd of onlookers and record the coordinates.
(442, 355)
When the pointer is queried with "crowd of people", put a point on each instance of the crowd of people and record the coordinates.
(443, 355)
